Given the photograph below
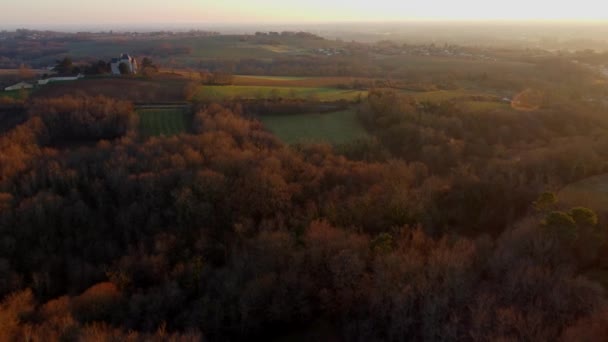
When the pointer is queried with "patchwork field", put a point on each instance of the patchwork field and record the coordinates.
(437, 65)
(219, 93)
(591, 193)
(198, 48)
(15, 72)
(163, 121)
(336, 128)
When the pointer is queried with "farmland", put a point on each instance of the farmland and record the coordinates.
(591, 192)
(15, 94)
(431, 65)
(131, 89)
(198, 48)
(210, 47)
(274, 78)
(485, 106)
(291, 81)
(163, 121)
(336, 128)
(219, 93)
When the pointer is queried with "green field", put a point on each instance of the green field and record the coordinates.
(16, 94)
(163, 121)
(218, 93)
(274, 78)
(591, 193)
(485, 106)
(439, 96)
(336, 128)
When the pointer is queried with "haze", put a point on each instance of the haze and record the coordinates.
(143, 12)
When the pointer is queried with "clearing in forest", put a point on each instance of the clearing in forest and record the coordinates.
(591, 192)
(163, 121)
(335, 128)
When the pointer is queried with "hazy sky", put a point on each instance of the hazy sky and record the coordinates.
(138, 12)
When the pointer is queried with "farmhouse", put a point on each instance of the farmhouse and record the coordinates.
(129, 61)
(19, 86)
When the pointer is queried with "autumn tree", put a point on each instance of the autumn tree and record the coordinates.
(148, 67)
(64, 66)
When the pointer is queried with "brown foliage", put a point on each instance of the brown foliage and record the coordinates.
(70, 118)
(234, 234)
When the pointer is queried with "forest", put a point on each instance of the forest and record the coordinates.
(443, 224)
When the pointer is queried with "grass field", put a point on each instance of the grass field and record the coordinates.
(336, 128)
(439, 96)
(591, 193)
(218, 93)
(273, 78)
(485, 106)
(16, 94)
(289, 81)
(163, 121)
(15, 72)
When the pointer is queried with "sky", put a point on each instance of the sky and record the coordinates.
(26, 13)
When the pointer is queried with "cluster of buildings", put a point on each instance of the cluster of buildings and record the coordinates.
(388, 48)
(330, 52)
(130, 67)
(28, 35)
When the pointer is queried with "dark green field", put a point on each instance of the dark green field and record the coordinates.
(218, 93)
(16, 94)
(163, 121)
(336, 128)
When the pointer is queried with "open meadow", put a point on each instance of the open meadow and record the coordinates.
(221, 93)
(163, 121)
(16, 94)
(290, 81)
(591, 192)
(335, 128)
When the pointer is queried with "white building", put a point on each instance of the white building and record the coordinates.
(60, 79)
(129, 61)
(19, 86)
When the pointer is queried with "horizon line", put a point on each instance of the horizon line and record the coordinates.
(232, 24)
